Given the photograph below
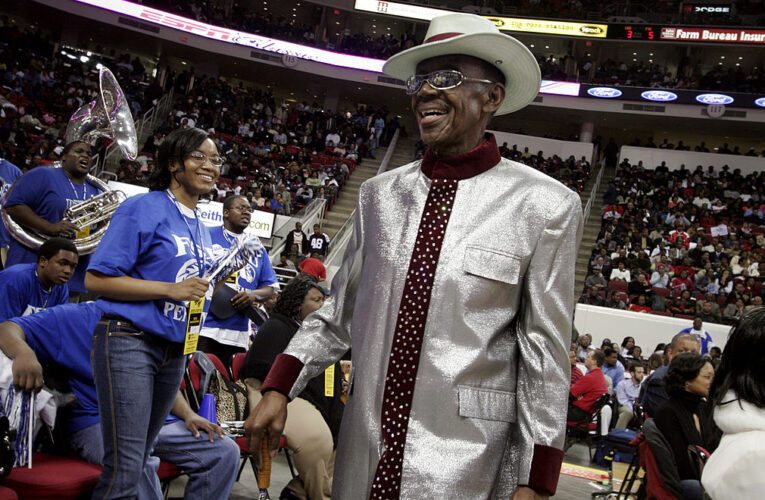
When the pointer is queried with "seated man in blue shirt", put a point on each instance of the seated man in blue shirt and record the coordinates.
(63, 335)
(613, 367)
(627, 393)
(29, 288)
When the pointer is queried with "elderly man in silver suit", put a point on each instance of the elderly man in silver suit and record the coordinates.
(456, 293)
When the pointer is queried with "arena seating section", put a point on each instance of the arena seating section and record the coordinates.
(719, 214)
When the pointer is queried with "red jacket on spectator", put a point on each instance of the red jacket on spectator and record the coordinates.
(638, 308)
(674, 235)
(588, 389)
(679, 283)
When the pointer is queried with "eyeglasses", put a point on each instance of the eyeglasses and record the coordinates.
(243, 209)
(440, 80)
(200, 158)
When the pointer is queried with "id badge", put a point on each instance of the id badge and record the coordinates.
(329, 381)
(193, 325)
(82, 233)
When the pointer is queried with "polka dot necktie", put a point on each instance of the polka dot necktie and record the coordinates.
(407, 338)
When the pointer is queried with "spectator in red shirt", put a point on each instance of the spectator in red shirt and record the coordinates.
(586, 391)
(682, 283)
(641, 305)
(576, 373)
(314, 267)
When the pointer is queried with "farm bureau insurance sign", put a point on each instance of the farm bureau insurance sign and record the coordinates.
(714, 35)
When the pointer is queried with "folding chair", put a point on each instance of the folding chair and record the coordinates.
(586, 430)
(197, 377)
(237, 362)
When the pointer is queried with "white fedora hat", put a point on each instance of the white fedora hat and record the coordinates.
(471, 35)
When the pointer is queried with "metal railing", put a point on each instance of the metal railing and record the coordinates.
(593, 194)
(310, 214)
(340, 241)
(144, 127)
(388, 153)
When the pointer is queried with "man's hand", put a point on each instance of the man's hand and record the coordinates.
(195, 423)
(526, 493)
(27, 372)
(62, 228)
(243, 300)
(266, 421)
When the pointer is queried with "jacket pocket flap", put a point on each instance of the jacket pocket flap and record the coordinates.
(492, 264)
(486, 404)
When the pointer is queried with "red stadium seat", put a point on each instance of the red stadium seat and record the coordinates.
(237, 362)
(53, 478)
(8, 494)
(618, 285)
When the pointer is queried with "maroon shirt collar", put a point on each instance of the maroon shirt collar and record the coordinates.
(476, 161)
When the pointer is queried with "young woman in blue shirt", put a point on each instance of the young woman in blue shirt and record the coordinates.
(147, 271)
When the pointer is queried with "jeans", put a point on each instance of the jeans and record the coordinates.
(137, 378)
(89, 445)
(210, 466)
(692, 489)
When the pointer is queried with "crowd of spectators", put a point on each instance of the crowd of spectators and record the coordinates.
(570, 171)
(724, 149)
(609, 72)
(684, 243)
(280, 154)
(40, 90)
(265, 23)
(689, 76)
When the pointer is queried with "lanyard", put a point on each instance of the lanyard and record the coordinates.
(197, 249)
(76, 195)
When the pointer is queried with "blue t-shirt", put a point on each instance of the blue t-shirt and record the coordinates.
(63, 335)
(256, 274)
(149, 239)
(8, 174)
(22, 293)
(49, 192)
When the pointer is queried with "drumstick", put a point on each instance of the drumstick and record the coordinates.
(264, 471)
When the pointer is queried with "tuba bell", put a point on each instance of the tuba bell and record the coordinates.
(106, 116)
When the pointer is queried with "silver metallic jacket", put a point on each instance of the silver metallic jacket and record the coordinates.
(493, 379)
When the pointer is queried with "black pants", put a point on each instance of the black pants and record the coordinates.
(576, 414)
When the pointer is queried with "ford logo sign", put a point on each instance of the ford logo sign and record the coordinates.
(606, 92)
(591, 30)
(714, 99)
(658, 95)
(760, 102)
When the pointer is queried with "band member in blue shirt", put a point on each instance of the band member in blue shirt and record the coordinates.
(63, 336)
(8, 175)
(29, 288)
(148, 273)
(228, 333)
(39, 199)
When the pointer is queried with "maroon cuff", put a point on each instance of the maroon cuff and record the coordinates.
(282, 375)
(545, 469)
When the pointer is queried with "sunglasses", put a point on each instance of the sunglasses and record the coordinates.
(440, 80)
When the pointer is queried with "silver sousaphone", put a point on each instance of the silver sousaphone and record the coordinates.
(107, 116)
